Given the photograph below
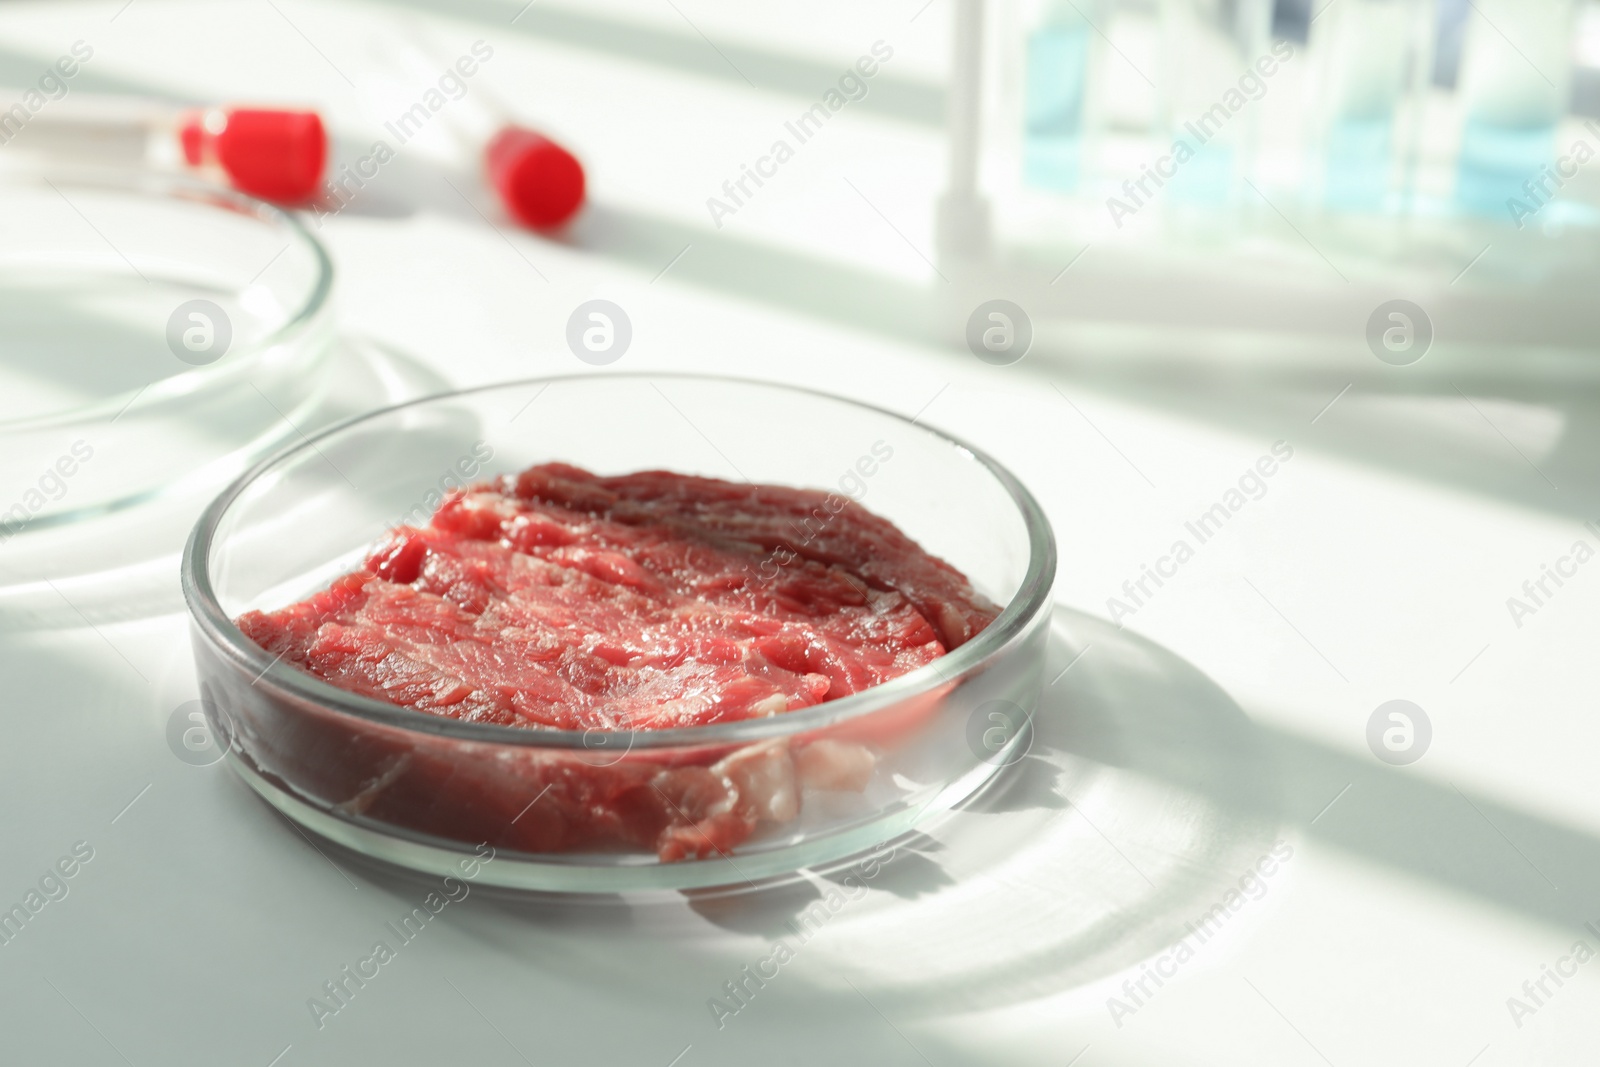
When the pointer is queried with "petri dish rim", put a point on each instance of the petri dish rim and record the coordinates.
(1033, 596)
(177, 187)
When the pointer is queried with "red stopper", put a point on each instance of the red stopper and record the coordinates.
(276, 155)
(539, 182)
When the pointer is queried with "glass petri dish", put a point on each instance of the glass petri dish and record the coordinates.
(157, 336)
(424, 792)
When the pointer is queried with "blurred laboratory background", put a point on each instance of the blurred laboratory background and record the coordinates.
(1143, 252)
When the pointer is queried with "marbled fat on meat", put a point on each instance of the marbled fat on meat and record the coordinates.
(556, 598)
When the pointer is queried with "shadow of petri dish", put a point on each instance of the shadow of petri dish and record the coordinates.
(1145, 796)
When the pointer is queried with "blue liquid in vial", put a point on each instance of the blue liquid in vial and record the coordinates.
(1057, 69)
(1496, 160)
(1207, 178)
(1357, 173)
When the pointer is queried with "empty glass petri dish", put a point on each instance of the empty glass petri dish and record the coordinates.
(157, 337)
(425, 792)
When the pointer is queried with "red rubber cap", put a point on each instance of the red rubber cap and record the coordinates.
(276, 155)
(540, 183)
(192, 136)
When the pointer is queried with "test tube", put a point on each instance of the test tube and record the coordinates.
(1371, 59)
(540, 183)
(1055, 86)
(274, 153)
(1208, 46)
(1515, 83)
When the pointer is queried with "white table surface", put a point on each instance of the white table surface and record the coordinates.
(1376, 567)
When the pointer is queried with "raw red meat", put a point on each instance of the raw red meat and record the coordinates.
(557, 598)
